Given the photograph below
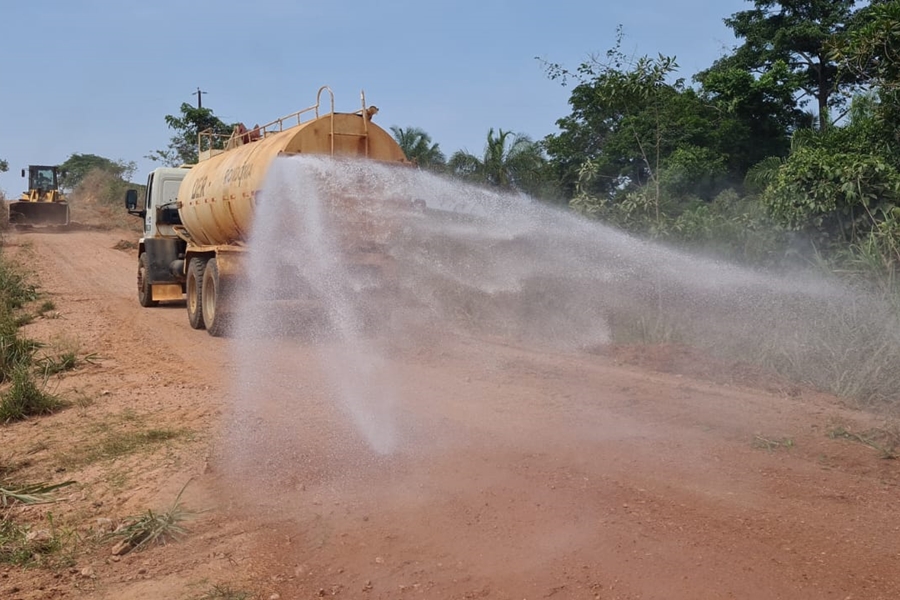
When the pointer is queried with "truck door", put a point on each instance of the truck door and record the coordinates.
(161, 204)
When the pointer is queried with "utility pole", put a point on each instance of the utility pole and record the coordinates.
(199, 98)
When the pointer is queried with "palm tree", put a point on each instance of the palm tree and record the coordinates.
(511, 161)
(417, 146)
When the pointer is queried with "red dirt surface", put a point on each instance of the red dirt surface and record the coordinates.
(625, 474)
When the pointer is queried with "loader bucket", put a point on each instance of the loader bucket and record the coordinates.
(39, 214)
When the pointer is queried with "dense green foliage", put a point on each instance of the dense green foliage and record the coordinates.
(418, 147)
(795, 36)
(24, 397)
(834, 187)
(183, 146)
(871, 52)
(639, 126)
(737, 161)
(77, 166)
(510, 161)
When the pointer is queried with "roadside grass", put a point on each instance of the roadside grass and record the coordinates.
(12, 462)
(27, 545)
(885, 441)
(82, 399)
(34, 493)
(24, 398)
(112, 443)
(97, 202)
(117, 479)
(118, 444)
(657, 328)
(16, 353)
(55, 365)
(47, 310)
(832, 337)
(23, 395)
(63, 354)
(771, 444)
(67, 360)
(139, 532)
(16, 288)
(225, 592)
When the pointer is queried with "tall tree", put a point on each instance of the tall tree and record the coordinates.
(835, 186)
(755, 113)
(510, 161)
(77, 166)
(4, 166)
(183, 146)
(871, 52)
(418, 147)
(798, 35)
(628, 119)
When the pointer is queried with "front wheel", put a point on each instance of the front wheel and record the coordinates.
(145, 290)
(194, 292)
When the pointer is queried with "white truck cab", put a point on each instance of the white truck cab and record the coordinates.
(160, 250)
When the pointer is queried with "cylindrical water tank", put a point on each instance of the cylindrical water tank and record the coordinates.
(217, 196)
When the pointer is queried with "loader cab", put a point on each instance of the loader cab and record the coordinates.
(42, 178)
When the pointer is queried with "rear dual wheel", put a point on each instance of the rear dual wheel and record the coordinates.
(205, 297)
(194, 291)
(214, 301)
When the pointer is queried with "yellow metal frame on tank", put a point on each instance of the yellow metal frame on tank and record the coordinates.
(217, 196)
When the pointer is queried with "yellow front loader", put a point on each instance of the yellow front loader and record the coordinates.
(43, 204)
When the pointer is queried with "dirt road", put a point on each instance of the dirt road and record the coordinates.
(513, 473)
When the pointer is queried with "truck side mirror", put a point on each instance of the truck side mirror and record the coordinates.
(23, 172)
(131, 201)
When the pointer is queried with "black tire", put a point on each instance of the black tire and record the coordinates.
(194, 291)
(145, 291)
(214, 301)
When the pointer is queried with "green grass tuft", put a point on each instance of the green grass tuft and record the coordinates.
(116, 443)
(884, 441)
(35, 493)
(23, 545)
(225, 592)
(54, 365)
(141, 531)
(25, 399)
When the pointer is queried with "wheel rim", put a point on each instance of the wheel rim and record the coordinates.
(209, 298)
(142, 281)
(192, 294)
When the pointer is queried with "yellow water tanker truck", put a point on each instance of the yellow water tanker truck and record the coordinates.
(197, 218)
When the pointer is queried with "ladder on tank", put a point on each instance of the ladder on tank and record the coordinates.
(364, 113)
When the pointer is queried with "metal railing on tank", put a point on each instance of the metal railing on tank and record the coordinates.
(210, 143)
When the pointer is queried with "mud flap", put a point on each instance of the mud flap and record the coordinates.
(161, 292)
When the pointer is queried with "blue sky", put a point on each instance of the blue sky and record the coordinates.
(98, 76)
